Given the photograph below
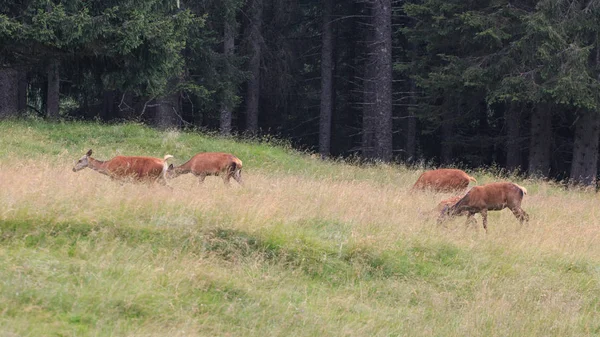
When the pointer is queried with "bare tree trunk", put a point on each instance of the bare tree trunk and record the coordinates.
(411, 128)
(377, 109)
(368, 123)
(486, 152)
(446, 153)
(167, 110)
(411, 136)
(253, 91)
(382, 63)
(327, 64)
(512, 117)
(228, 48)
(53, 98)
(22, 88)
(126, 105)
(108, 105)
(539, 146)
(9, 93)
(584, 165)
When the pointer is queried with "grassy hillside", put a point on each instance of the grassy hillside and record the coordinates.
(305, 248)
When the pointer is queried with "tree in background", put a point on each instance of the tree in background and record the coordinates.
(214, 66)
(506, 83)
(327, 65)
(121, 44)
(377, 137)
(254, 40)
(228, 99)
(9, 92)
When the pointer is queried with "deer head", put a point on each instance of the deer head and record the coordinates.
(170, 173)
(83, 162)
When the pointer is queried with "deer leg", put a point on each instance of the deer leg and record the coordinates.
(164, 183)
(520, 214)
(226, 178)
(525, 215)
(484, 216)
(237, 175)
(470, 219)
(201, 178)
(119, 181)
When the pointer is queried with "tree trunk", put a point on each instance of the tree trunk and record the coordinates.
(382, 63)
(486, 151)
(108, 105)
(584, 165)
(9, 92)
(125, 107)
(512, 117)
(539, 146)
(53, 98)
(326, 80)
(446, 152)
(167, 110)
(253, 91)
(368, 122)
(22, 91)
(411, 127)
(228, 48)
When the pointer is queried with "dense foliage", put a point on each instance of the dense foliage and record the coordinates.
(476, 83)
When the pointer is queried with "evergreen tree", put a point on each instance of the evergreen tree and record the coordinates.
(327, 66)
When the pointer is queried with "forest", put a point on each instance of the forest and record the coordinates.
(511, 84)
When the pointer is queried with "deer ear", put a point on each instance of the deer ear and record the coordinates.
(170, 166)
(89, 153)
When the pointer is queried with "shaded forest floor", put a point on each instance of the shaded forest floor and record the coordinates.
(304, 248)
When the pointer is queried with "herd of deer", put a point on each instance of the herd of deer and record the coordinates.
(150, 169)
(479, 199)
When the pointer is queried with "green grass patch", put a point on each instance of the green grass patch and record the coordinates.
(307, 247)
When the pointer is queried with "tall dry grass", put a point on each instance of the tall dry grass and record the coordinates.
(562, 221)
(414, 277)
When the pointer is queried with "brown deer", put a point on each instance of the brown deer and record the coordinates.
(489, 197)
(447, 203)
(210, 164)
(443, 180)
(140, 169)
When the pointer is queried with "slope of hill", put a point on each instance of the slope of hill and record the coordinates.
(304, 248)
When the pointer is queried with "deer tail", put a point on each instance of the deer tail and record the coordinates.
(523, 189)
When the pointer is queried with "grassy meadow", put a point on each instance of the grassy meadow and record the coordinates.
(305, 248)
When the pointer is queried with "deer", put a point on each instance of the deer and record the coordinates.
(489, 197)
(443, 180)
(139, 169)
(206, 164)
(448, 203)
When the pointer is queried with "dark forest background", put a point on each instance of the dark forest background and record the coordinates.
(512, 84)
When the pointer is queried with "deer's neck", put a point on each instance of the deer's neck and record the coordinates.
(98, 166)
(183, 169)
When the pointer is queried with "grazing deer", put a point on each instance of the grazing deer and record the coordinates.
(210, 164)
(443, 180)
(447, 203)
(141, 169)
(489, 197)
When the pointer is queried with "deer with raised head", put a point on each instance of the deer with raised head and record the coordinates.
(489, 197)
(443, 180)
(141, 169)
(210, 164)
